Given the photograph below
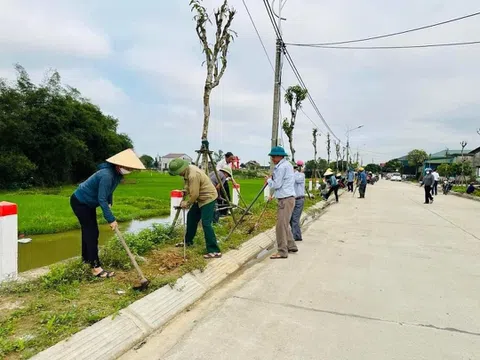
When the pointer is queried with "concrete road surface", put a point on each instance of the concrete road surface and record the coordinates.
(382, 278)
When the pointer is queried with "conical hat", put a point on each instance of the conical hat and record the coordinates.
(328, 172)
(128, 159)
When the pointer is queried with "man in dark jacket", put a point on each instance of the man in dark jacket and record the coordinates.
(97, 191)
(428, 182)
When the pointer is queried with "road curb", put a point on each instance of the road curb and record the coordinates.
(465, 196)
(114, 335)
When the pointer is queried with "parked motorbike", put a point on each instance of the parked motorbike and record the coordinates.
(447, 186)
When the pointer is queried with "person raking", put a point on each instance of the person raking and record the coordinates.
(97, 191)
(202, 197)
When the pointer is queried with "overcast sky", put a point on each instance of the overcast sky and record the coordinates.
(141, 62)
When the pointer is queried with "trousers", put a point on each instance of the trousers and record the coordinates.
(428, 193)
(295, 219)
(87, 217)
(204, 214)
(362, 188)
(333, 189)
(283, 231)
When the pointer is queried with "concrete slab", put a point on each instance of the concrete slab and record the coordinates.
(382, 278)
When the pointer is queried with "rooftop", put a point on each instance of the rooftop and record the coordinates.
(447, 153)
(174, 155)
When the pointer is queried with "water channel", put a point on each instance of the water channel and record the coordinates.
(48, 249)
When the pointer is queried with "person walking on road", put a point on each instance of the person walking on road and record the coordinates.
(428, 182)
(436, 177)
(283, 182)
(332, 181)
(299, 201)
(362, 182)
(97, 191)
(202, 197)
(226, 162)
(350, 179)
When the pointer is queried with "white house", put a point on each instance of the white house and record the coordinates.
(164, 161)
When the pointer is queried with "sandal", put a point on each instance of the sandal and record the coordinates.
(293, 250)
(105, 274)
(278, 256)
(212, 256)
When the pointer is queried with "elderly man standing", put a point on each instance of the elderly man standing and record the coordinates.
(362, 182)
(202, 197)
(226, 162)
(299, 201)
(283, 181)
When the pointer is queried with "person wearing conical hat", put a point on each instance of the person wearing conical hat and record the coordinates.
(97, 191)
(331, 180)
(202, 196)
(362, 182)
(299, 201)
(350, 179)
(282, 182)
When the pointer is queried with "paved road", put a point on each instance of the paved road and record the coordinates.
(382, 278)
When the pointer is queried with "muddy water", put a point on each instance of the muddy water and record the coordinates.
(51, 248)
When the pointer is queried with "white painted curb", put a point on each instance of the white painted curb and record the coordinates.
(113, 336)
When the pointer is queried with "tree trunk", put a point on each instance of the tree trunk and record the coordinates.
(206, 111)
(290, 141)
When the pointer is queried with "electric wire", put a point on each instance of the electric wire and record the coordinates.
(398, 32)
(419, 46)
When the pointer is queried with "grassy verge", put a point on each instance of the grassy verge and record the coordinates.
(38, 314)
(143, 195)
(463, 190)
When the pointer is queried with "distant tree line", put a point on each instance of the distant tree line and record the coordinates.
(50, 134)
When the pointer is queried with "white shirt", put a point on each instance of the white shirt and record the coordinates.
(221, 164)
(436, 176)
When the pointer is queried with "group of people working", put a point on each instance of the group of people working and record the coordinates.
(204, 196)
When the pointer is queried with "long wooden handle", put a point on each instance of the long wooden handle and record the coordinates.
(129, 253)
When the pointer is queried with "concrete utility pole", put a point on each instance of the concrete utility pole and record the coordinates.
(348, 142)
(278, 79)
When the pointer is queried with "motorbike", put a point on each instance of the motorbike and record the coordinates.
(447, 186)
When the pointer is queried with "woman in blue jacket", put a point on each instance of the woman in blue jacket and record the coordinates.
(97, 191)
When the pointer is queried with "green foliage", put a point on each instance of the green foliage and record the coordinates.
(64, 273)
(294, 96)
(374, 168)
(444, 170)
(393, 166)
(50, 135)
(416, 158)
(148, 161)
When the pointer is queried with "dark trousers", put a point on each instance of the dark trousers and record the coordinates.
(87, 217)
(428, 194)
(333, 189)
(350, 186)
(435, 188)
(205, 214)
(362, 188)
(223, 203)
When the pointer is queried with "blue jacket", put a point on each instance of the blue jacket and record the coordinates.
(362, 177)
(98, 189)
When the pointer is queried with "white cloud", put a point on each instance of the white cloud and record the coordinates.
(29, 27)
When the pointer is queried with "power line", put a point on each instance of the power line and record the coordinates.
(278, 33)
(464, 43)
(258, 34)
(398, 32)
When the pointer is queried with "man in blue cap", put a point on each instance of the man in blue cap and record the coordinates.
(283, 182)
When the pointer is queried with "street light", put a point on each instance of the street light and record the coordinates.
(347, 134)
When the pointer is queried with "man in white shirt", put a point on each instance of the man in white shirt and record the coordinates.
(436, 176)
(226, 162)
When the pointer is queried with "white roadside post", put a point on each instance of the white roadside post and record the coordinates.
(8, 241)
(310, 185)
(176, 197)
(236, 194)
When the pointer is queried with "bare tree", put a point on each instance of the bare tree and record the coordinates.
(343, 157)
(314, 142)
(337, 152)
(463, 144)
(293, 97)
(215, 54)
(328, 148)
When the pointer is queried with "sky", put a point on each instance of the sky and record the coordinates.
(142, 63)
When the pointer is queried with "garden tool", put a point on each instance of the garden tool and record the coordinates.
(355, 190)
(143, 281)
(252, 229)
(178, 208)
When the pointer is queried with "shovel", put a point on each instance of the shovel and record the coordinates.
(143, 281)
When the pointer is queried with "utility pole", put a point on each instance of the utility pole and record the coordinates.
(278, 79)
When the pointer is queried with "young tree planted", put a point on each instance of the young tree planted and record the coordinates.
(328, 148)
(337, 152)
(294, 97)
(215, 54)
(314, 143)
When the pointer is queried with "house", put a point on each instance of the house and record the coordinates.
(164, 161)
(447, 157)
(476, 160)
